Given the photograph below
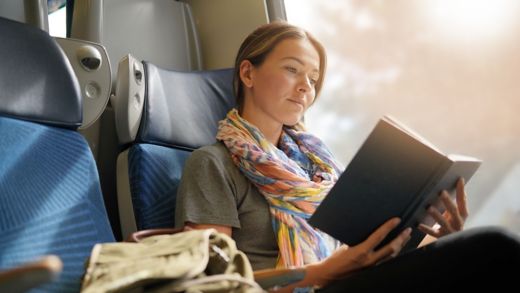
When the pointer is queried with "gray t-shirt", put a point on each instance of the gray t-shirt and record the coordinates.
(214, 191)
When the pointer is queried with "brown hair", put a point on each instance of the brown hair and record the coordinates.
(262, 41)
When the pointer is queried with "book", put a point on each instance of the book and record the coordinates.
(395, 173)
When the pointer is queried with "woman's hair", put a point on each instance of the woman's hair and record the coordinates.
(262, 41)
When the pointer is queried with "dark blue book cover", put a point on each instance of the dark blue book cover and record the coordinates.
(395, 173)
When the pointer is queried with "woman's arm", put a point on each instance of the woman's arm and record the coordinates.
(346, 259)
(220, 228)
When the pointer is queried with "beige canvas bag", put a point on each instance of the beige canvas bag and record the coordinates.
(191, 261)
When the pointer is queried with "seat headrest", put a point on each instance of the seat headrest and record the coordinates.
(37, 82)
(182, 109)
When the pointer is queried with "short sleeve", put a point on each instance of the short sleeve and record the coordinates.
(206, 194)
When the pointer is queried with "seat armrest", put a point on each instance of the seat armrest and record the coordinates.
(139, 235)
(30, 275)
(271, 278)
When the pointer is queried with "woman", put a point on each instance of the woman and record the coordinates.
(265, 176)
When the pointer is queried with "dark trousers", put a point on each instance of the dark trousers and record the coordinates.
(477, 259)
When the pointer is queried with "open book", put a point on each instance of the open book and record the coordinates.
(395, 173)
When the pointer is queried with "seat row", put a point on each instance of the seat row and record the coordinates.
(50, 197)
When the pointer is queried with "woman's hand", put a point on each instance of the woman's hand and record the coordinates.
(348, 259)
(453, 218)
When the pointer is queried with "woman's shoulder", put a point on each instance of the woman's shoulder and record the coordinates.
(216, 153)
(215, 158)
(217, 150)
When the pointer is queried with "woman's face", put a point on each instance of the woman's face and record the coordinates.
(282, 88)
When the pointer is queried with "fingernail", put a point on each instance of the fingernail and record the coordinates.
(397, 221)
(408, 231)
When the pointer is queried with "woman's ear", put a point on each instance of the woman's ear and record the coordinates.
(246, 73)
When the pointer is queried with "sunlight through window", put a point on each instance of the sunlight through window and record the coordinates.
(446, 68)
(58, 23)
(472, 19)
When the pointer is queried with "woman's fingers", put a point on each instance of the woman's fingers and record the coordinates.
(448, 203)
(434, 212)
(389, 250)
(455, 215)
(394, 247)
(461, 199)
(429, 230)
(454, 218)
(380, 233)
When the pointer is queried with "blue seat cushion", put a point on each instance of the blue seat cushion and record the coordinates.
(154, 173)
(50, 199)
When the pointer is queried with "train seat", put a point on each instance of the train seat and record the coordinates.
(162, 32)
(161, 117)
(50, 197)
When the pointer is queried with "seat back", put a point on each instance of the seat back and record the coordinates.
(181, 113)
(50, 198)
(162, 31)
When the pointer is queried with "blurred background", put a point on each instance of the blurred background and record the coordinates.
(445, 68)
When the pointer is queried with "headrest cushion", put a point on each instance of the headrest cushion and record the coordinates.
(182, 109)
(37, 82)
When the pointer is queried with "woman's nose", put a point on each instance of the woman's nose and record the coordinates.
(304, 85)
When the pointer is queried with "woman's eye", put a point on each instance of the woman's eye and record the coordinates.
(290, 69)
(313, 81)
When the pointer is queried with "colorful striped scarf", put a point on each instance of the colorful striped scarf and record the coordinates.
(287, 176)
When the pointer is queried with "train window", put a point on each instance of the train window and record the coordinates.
(445, 68)
(57, 18)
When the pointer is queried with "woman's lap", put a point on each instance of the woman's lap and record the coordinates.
(472, 258)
